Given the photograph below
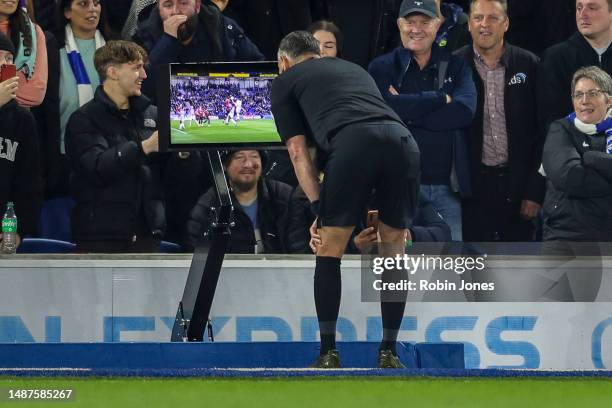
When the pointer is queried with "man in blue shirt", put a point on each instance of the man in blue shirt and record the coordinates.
(433, 92)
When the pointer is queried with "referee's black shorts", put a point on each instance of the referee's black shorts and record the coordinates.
(365, 157)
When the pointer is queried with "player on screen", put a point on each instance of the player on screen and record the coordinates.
(232, 110)
(202, 116)
(238, 105)
(190, 114)
(181, 114)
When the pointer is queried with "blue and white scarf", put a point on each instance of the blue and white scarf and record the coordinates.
(84, 88)
(605, 126)
(25, 60)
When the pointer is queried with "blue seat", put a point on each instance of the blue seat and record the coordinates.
(45, 246)
(55, 219)
(167, 247)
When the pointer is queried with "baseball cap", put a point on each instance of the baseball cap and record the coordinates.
(427, 7)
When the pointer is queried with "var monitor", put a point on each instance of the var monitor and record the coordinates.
(216, 106)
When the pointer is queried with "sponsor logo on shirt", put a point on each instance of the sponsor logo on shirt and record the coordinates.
(519, 78)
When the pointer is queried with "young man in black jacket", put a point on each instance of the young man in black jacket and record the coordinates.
(19, 153)
(110, 143)
(268, 217)
(590, 45)
(504, 144)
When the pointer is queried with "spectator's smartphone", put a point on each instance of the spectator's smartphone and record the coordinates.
(8, 71)
(372, 219)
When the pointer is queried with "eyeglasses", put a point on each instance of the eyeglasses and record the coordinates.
(592, 94)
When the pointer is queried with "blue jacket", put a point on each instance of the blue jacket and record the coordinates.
(426, 113)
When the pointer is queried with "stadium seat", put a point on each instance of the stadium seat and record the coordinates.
(55, 219)
(45, 246)
(166, 247)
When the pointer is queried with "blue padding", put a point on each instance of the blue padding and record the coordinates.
(45, 246)
(440, 355)
(138, 356)
(55, 219)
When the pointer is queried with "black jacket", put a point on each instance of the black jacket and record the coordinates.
(578, 205)
(19, 167)
(226, 41)
(116, 187)
(47, 114)
(281, 216)
(268, 21)
(558, 65)
(524, 140)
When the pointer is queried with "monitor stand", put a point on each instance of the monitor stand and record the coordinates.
(194, 308)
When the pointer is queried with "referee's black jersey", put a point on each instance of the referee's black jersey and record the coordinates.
(319, 97)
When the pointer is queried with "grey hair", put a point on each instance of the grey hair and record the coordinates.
(297, 44)
(595, 74)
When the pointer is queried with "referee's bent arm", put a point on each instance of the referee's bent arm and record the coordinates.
(305, 169)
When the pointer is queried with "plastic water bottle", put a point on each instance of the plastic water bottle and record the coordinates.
(9, 230)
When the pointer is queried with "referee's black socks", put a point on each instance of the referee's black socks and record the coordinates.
(327, 292)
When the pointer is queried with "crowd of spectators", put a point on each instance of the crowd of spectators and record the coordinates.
(489, 89)
(213, 96)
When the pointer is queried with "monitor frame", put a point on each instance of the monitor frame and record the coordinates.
(164, 74)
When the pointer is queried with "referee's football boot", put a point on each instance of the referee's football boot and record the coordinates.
(329, 360)
(386, 359)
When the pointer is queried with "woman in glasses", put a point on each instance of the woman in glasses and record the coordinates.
(577, 160)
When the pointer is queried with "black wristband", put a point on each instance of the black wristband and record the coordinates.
(314, 208)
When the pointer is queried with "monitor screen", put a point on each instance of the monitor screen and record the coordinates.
(216, 106)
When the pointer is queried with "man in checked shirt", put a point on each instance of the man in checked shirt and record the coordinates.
(504, 145)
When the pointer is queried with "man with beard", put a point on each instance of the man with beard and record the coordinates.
(189, 31)
(268, 217)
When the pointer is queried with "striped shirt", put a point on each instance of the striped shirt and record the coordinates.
(495, 137)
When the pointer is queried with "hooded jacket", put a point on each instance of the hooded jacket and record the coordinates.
(558, 65)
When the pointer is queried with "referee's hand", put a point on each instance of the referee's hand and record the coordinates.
(315, 238)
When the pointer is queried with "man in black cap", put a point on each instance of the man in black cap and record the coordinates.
(434, 94)
(335, 104)
(20, 179)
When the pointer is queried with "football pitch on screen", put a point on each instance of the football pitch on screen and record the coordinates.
(336, 392)
(246, 131)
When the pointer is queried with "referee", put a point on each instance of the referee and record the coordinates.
(337, 106)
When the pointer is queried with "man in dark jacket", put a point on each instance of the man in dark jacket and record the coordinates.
(589, 46)
(189, 31)
(19, 153)
(268, 217)
(504, 143)
(110, 143)
(433, 93)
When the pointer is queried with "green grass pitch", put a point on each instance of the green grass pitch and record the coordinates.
(336, 392)
(247, 131)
